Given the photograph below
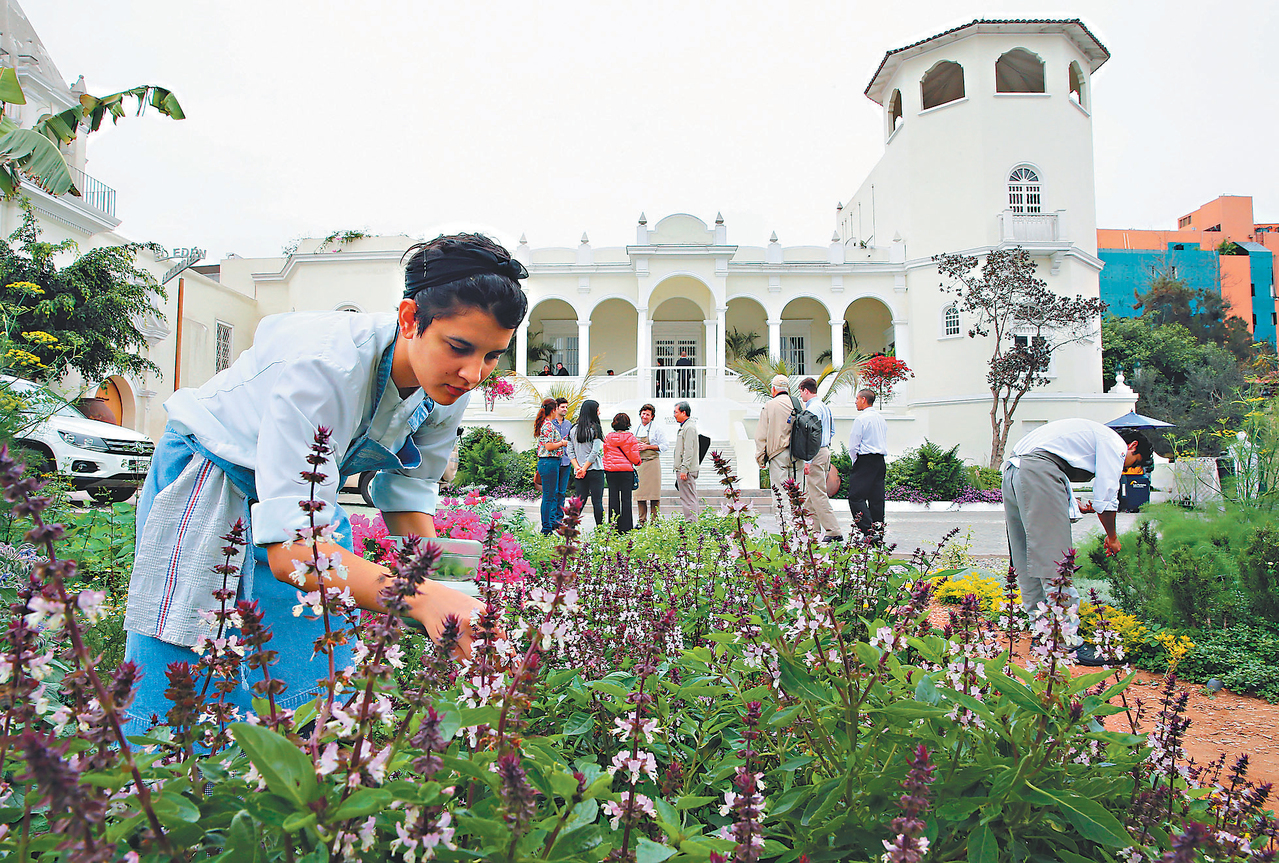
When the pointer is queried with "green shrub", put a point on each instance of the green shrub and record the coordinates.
(1197, 589)
(480, 459)
(936, 473)
(1244, 657)
(983, 478)
(518, 470)
(1259, 572)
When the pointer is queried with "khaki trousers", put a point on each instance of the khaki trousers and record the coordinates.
(816, 501)
(689, 503)
(782, 467)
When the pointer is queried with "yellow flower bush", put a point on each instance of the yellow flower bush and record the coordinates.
(1132, 631)
(988, 590)
(21, 360)
(40, 338)
(26, 287)
(1175, 646)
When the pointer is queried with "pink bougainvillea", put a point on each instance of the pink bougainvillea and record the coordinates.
(455, 518)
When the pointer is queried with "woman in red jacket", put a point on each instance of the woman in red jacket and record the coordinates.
(621, 455)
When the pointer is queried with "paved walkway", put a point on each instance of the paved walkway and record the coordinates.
(984, 530)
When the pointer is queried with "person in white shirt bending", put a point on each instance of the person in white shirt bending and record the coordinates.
(1039, 505)
(867, 446)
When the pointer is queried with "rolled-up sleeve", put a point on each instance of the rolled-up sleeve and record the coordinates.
(309, 393)
(418, 489)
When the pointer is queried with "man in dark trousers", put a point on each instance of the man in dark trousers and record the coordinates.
(867, 446)
(685, 375)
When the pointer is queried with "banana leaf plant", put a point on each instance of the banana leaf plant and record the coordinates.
(33, 155)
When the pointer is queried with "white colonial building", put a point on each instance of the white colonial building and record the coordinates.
(988, 144)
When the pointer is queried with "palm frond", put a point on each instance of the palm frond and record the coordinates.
(843, 378)
(757, 375)
(574, 390)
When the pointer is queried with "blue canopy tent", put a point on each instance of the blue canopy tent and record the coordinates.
(1134, 420)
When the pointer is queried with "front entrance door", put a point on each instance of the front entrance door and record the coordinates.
(670, 380)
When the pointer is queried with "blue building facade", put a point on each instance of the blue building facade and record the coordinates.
(1128, 272)
(1261, 263)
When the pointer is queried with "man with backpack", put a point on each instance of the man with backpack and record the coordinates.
(814, 428)
(773, 435)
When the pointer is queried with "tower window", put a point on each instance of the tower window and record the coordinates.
(895, 111)
(1077, 85)
(1023, 190)
(222, 350)
(950, 321)
(941, 84)
(1019, 71)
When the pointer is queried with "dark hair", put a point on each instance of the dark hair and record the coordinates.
(499, 294)
(1144, 447)
(809, 384)
(588, 422)
(561, 401)
(621, 422)
(548, 408)
(685, 408)
(652, 410)
(869, 395)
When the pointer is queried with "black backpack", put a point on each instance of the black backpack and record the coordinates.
(805, 433)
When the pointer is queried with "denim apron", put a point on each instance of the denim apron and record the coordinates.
(292, 637)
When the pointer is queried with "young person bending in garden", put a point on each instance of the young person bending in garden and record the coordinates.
(391, 389)
(1039, 505)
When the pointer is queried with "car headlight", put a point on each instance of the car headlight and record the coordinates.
(84, 441)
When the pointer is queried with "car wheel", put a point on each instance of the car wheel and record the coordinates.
(366, 479)
(111, 494)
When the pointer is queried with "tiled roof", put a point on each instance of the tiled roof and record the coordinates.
(1089, 44)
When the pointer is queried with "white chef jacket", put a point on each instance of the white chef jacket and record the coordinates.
(1084, 444)
(656, 434)
(305, 370)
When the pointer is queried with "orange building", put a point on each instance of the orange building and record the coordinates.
(1217, 246)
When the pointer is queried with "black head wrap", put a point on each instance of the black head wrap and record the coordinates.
(456, 263)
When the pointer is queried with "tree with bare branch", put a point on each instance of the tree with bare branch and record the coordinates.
(1025, 321)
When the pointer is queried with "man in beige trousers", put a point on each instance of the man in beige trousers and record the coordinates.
(687, 461)
(816, 500)
(772, 435)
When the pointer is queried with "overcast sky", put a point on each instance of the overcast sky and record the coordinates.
(552, 119)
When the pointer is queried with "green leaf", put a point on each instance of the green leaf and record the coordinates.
(287, 771)
(959, 808)
(485, 828)
(926, 690)
(576, 842)
(10, 88)
(648, 851)
(692, 801)
(608, 687)
(174, 810)
(1017, 694)
(982, 847)
(785, 717)
(39, 159)
(1117, 687)
(910, 710)
(298, 821)
(798, 682)
(1084, 681)
(1090, 818)
(868, 654)
(578, 723)
(363, 803)
(241, 837)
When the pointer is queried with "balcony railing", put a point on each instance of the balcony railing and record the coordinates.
(94, 192)
(1029, 227)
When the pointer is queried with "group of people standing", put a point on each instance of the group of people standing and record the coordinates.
(627, 461)
(867, 446)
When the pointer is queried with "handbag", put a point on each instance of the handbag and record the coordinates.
(635, 479)
(832, 481)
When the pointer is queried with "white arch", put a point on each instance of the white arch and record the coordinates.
(892, 309)
(630, 301)
(793, 297)
(689, 274)
(533, 305)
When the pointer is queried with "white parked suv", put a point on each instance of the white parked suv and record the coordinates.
(108, 461)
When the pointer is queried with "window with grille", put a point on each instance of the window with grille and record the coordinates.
(950, 321)
(222, 359)
(1023, 191)
(793, 354)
